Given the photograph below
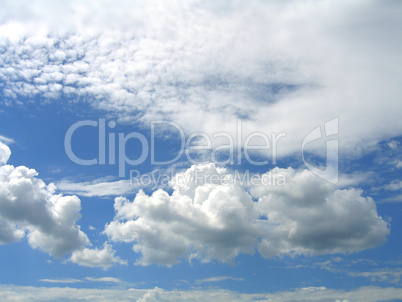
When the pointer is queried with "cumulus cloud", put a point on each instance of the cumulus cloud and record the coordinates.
(27, 204)
(311, 216)
(5, 153)
(95, 257)
(210, 215)
(296, 65)
(30, 207)
(213, 221)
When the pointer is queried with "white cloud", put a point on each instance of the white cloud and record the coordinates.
(383, 275)
(395, 198)
(91, 279)
(296, 65)
(218, 279)
(313, 288)
(313, 217)
(354, 179)
(95, 257)
(397, 163)
(393, 144)
(98, 187)
(395, 185)
(5, 153)
(205, 219)
(6, 140)
(108, 186)
(282, 67)
(321, 294)
(27, 204)
(105, 279)
(215, 223)
(61, 280)
(9, 232)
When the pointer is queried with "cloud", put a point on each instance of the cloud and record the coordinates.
(91, 279)
(6, 140)
(218, 279)
(61, 280)
(383, 275)
(105, 279)
(27, 204)
(351, 267)
(166, 227)
(103, 258)
(5, 153)
(296, 65)
(313, 217)
(322, 294)
(395, 198)
(107, 186)
(207, 219)
(98, 187)
(331, 265)
(393, 144)
(397, 163)
(395, 185)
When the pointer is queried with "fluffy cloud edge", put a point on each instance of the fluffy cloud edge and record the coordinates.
(206, 219)
(96, 257)
(29, 207)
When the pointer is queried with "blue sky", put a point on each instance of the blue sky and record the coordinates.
(250, 151)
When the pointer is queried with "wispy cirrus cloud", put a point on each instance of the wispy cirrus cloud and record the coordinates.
(105, 279)
(87, 279)
(68, 281)
(6, 140)
(97, 187)
(382, 275)
(217, 279)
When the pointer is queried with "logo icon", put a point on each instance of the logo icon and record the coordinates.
(330, 172)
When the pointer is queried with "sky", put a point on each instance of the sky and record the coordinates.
(200, 150)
